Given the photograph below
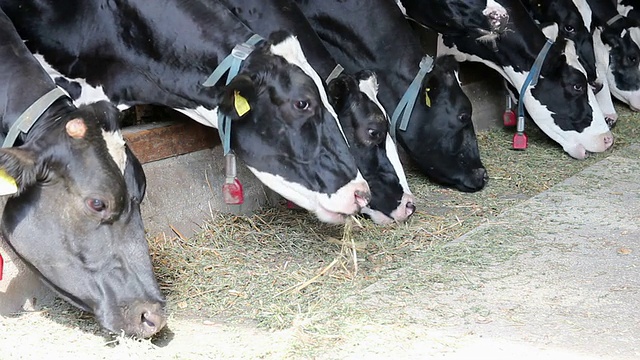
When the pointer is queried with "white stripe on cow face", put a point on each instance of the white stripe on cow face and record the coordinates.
(624, 10)
(585, 12)
(88, 93)
(115, 145)
(291, 51)
(370, 88)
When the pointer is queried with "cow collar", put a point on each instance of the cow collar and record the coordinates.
(531, 80)
(408, 101)
(29, 117)
(232, 64)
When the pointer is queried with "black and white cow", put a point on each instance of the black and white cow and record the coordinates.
(439, 136)
(358, 110)
(141, 53)
(617, 43)
(75, 216)
(561, 103)
(572, 19)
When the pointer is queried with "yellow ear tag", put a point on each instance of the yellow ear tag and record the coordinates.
(8, 184)
(427, 100)
(240, 103)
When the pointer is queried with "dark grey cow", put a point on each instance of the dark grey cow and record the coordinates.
(75, 215)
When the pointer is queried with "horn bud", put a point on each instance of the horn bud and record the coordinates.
(76, 128)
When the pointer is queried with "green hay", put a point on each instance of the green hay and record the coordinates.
(280, 268)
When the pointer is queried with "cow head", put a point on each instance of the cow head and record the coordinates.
(621, 42)
(289, 135)
(563, 105)
(573, 18)
(366, 126)
(76, 218)
(440, 137)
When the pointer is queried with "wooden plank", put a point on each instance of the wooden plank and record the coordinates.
(157, 141)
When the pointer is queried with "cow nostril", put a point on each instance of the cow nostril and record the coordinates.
(362, 197)
(411, 208)
(146, 321)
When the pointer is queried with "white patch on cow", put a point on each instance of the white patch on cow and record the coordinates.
(402, 8)
(605, 101)
(595, 138)
(624, 9)
(585, 12)
(89, 94)
(494, 7)
(291, 51)
(328, 208)
(551, 31)
(115, 145)
(202, 115)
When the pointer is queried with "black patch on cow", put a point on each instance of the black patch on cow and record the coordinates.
(71, 87)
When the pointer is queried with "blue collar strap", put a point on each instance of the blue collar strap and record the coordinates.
(531, 80)
(231, 64)
(408, 101)
(31, 115)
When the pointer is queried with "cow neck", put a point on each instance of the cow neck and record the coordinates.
(408, 101)
(25, 122)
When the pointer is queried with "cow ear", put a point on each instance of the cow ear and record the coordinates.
(237, 97)
(611, 38)
(18, 170)
(338, 90)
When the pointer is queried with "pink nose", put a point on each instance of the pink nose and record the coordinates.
(362, 198)
(608, 141)
(411, 208)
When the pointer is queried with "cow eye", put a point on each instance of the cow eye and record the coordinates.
(375, 134)
(578, 87)
(96, 205)
(301, 105)
(632, 59)
(570, 29)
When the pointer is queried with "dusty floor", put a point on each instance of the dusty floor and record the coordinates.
(555, 277)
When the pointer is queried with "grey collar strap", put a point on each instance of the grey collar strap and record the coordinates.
(614, 19)
(335, 73)
(31, 115)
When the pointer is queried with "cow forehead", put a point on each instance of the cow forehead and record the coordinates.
(291, 51)
(570, 53)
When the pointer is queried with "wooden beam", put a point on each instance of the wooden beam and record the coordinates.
(151, 142)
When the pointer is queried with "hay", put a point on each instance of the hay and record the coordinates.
(281, 268)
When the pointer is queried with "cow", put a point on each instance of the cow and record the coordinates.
(560, 103)
(358, 110)
(618, 48)
(73, 211)
(281, 124)
(437, 132)
(572, 19)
